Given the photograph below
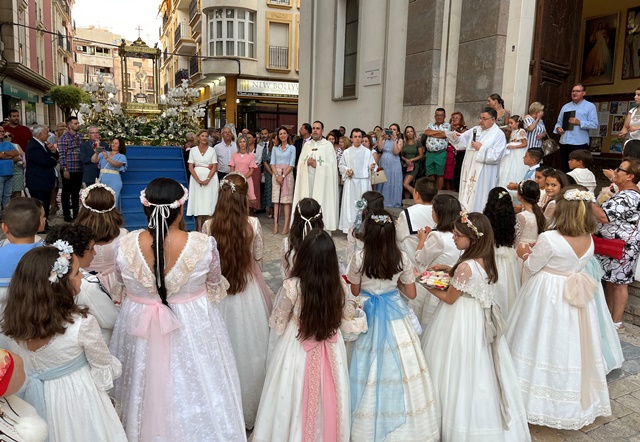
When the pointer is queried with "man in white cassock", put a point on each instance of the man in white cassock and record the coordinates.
(485, 146)
(317, 176)
(355, 167)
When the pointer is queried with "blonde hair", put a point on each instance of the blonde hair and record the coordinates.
(574, 218)
(536, 106)
(346, 141)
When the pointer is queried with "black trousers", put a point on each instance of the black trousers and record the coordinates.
(71, 194)
(44, 196)
(565, 150)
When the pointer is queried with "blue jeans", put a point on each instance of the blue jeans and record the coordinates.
(6, 186)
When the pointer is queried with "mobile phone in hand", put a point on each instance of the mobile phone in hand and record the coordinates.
(99, 149)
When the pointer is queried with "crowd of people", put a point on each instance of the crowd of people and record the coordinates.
(167, 334)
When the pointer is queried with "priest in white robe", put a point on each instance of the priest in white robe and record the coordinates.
(485, 146)
(317, 176)
(355, 166)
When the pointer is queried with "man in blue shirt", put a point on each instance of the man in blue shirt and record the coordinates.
(7, 152)
(586, 118)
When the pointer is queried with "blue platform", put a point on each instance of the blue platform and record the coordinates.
(145, 163)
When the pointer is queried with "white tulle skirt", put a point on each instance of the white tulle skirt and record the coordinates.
(464, 377)
(508, 283)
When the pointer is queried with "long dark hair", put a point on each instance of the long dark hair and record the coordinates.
(309, 209)
(375, 201)
(481, 247)
(316, 266)
(381, 256)
(447, 209)
(529, 191)
(499, 211)
(161, 191)
(232, 230)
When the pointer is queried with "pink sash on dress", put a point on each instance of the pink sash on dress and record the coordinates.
(318, 377)
(155, 322)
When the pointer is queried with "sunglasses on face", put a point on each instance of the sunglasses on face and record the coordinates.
(620, 169)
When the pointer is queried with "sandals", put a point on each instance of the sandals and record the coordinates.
(620, 327)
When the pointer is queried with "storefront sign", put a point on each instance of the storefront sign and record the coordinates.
(255, 88)
(46, 99)
(17, 91)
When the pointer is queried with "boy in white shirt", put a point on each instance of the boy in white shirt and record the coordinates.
(579, 162)
(416, 217)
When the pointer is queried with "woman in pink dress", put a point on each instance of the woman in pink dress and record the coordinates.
(244, 162)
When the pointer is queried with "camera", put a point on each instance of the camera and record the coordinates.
(388, 132)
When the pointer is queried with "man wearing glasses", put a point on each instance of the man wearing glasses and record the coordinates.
(7, 153)
(485, 146)
(90, 170)
(575, 135)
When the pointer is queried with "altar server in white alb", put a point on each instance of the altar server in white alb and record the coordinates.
(317, 175)
(356, 165)
(485, 145)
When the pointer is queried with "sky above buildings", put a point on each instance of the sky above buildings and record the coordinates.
(121, 17)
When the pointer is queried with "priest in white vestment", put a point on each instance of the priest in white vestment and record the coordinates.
(485, 146)
(355, 166)
(317, 176)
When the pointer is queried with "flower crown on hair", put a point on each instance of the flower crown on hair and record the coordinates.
(381, 219)
(464, 217)
(61, 266)
(579, 195)
(230, 183)
(84, 193)
(502, 194)
(174, 205)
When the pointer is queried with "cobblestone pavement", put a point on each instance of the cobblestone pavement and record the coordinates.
(624, 383)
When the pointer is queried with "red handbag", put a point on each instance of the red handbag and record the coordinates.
(613, 248)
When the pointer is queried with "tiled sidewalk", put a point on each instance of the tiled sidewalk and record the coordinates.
(624, 383)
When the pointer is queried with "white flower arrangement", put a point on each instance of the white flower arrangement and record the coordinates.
(61, 266)
(579, 195)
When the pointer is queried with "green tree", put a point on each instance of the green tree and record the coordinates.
(69, 98)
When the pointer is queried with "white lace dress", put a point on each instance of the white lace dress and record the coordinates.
(462, 365)
(552, 351)
(512, 167)
(508, 284)
(179, 381)
(281, 416)
(104, 261)
(417, 411)
(78, 407)
(246, 316)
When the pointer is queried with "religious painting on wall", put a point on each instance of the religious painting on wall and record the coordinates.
(598, 49)
(631, 54)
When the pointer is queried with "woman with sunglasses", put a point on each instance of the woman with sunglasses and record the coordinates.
(618, 219)
(18, 168)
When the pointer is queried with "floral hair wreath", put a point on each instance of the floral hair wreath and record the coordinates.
(174, 205)
(84, 193)
(502, 194)
(464, 217)
(61, 266)
(229, 183)
(579, 195)
(381, 219)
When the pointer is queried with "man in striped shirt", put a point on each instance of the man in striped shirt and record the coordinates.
(71, 166)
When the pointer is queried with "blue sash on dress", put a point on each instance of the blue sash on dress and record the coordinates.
(33, 391)
(378, 345)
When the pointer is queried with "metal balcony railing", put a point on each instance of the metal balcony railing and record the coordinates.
(182, 31)
(279, 57)
(194, 65)
(193, 9)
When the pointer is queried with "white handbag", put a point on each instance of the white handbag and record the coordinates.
(20, 422)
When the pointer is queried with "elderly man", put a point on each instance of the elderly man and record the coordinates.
(318, 176)
(575, 135)
(90, 170)
(436, 144)
(42, 158)
(485, 146)
(224, 150)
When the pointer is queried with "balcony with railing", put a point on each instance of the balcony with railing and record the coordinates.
(64, 7)
(183, 42)
(278, 57)
(165, 22)
(182, 74)
(64, 45)
(194, 9)
(194, 66)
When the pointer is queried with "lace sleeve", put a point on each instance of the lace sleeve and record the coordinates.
(217, 284)
(284, 247)
(463, 280)
(350, 248)
(117, 290)
(105, 368)
(354, 274)
(520, 225)
(540, 255)
(258, 242)
(432, 249)
(283, 310)
(407, 276)
(549, 211)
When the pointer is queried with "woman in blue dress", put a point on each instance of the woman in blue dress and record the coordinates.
(112, 164)
(389, 160)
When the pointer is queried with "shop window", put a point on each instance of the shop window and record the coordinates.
(231, 32)
(346, 49)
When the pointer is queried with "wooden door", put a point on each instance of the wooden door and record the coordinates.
(554, 60)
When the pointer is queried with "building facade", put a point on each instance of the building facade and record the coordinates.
(36, 40)
(377, 62)
(243, 55)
